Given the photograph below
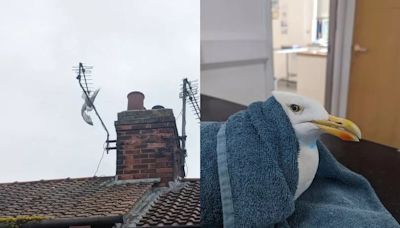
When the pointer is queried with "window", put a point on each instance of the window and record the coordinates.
(320, 22)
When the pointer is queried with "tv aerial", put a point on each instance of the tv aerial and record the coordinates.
(189, 94)
(89, 94)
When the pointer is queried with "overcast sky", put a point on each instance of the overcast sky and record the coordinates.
(145, 45)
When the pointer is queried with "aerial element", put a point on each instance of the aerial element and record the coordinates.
(89, 95)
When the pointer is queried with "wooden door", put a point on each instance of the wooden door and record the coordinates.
(374, 86)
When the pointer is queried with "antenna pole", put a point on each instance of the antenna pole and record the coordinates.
(97, 114)
(184, 94)
(82, 69)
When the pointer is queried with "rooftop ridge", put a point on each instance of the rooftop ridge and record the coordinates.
(55, 180)
(190, 179)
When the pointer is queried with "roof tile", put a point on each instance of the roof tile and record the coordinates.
(66, 198)
(175, 208)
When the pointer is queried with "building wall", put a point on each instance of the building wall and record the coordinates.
(236, 50)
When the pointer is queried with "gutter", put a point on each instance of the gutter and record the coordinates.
(86, 221)
(179, 226)
(72, 222)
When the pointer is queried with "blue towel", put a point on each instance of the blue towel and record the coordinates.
(249, 176)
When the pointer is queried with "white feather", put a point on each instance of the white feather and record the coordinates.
(307, 134)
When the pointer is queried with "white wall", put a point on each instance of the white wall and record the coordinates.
(299, 19)
(236, 83)
(236, 50)
(323, 8)
(311, 80)
(299, 16)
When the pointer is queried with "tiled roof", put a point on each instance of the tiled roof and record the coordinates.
(70, 198)
(176, 207)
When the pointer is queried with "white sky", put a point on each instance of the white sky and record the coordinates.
(145, 45)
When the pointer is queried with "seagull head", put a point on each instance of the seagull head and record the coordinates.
(310, 119)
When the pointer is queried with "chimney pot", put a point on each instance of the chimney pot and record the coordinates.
(157, 107)
(136, 100)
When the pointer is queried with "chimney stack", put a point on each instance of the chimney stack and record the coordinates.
(147, 143)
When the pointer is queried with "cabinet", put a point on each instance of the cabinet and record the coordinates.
(311, 75)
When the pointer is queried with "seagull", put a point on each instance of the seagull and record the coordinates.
(88, 106)
(310, 119)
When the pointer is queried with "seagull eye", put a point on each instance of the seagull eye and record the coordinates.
(295, 108)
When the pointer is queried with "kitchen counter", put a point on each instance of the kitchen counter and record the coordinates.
(311, 74)
(315, 53)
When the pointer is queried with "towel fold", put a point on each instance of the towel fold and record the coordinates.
(249, 176)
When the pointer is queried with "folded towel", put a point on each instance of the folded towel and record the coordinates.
(339, 197)
(249, 176)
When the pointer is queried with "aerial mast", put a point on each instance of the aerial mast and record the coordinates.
(188, 95)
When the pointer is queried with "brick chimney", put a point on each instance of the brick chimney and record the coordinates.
(147, 143)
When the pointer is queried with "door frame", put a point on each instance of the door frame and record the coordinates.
(342, 14)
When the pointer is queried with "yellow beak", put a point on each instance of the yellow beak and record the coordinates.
(340, 127)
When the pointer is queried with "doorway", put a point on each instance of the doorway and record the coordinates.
(300, 43)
